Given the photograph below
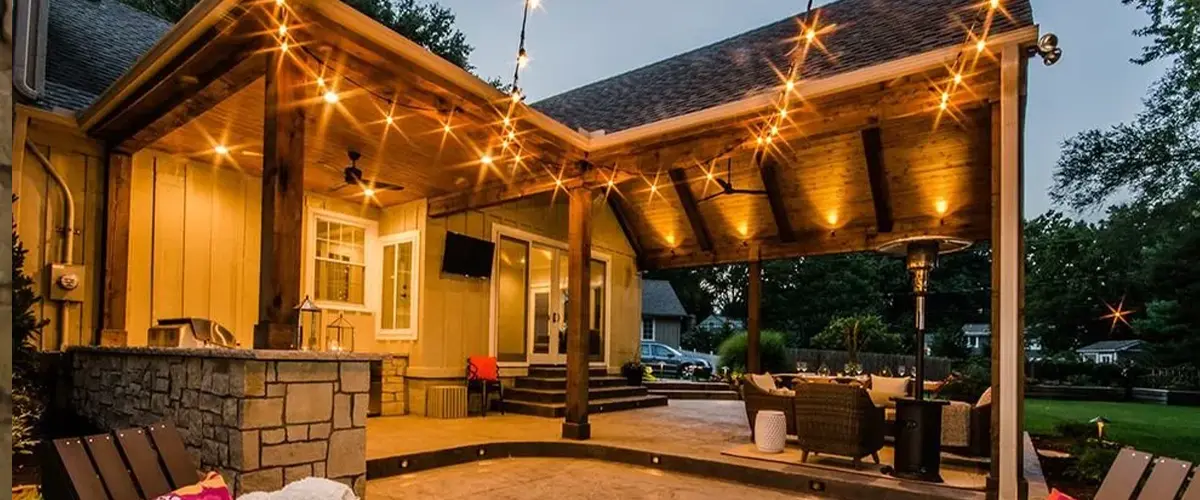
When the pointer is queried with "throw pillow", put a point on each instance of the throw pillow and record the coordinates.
(894, 385)
(764, 382)
(212, 487)
(1058, 495)
(985, 399)
(883, 399)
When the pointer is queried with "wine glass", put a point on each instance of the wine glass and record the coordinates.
(802, 367)
(901, 370)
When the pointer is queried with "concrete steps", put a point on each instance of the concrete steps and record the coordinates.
(693, 390)
(544, 393)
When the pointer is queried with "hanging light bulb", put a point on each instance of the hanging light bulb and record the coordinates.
(512, 135)
(516, 95)
(486, 159)
(221, 150)
(810, 35)
(446, 128)
(522, 59)
(331, 97)
(791, 85)
(995, 4)
(320, 82)
(533, 4)
(368, 192)
(958, 78)
(783, 112)
(980, 45)
(283, 29)
(283, 47)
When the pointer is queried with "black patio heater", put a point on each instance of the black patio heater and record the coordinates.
(918, 428)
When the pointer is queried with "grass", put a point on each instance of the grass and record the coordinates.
(1172, 431)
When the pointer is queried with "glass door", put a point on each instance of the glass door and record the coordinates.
(547, 275)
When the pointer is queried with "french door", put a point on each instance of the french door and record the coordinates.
(548, 305)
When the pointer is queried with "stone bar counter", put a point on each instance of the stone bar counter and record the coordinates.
(262, 419)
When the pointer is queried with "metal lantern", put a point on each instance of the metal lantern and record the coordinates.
(310, 317)
(337, 333)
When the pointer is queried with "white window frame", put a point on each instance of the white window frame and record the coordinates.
(411, 332)
(372, 251)
(653, 330)
(499, 230)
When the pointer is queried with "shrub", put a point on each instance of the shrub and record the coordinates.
(970, 379)
(1078, 431)
(28, 395)
(1093, 461)
(773, 349)
(862, 333)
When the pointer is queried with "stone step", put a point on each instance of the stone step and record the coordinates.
(680, 385)
(708, 395)
(560, 371)
(560, 395)
(560, 383)
(558, 410)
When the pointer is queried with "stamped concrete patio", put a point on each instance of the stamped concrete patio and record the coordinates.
(686, 436)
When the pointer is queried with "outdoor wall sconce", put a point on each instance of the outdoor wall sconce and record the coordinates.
(310, 314)
(337, 333)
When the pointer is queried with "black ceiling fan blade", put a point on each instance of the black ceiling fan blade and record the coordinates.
(337, 188)
(749, 191)
(712, 196)
(388, 186)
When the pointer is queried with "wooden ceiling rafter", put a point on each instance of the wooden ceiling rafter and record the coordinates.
(872, 143)
(691, 208)
(768, 169)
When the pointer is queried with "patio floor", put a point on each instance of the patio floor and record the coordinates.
(701, 430)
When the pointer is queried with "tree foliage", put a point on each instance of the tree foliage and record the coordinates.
(428, 24)
(862, 333)
(27, 394)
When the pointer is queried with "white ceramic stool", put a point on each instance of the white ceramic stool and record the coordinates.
(770, 431)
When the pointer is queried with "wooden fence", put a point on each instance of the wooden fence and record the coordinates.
(935, 368)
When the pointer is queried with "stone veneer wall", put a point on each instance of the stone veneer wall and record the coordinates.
(395, 390)
(263, 419)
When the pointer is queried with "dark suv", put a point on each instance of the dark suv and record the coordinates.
(667, 360)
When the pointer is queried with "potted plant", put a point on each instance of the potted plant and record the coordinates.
(633, 372)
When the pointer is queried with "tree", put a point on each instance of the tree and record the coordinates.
(863, 333)
(27, 394)
(428, 25)
(949, 342)
(1156, 155)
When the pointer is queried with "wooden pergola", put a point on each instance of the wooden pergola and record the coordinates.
(868, 156)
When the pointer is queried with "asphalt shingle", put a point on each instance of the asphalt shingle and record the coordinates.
(866, 33)
(659, 299)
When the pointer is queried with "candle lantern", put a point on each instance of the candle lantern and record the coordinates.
(340, 335)
(310, 317)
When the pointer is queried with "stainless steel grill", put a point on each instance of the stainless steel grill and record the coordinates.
(190, 332)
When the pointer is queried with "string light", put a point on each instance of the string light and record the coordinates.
(368, 192)
(331, 97)
(283, 47)
(980, 45)
(486, 159)
(320, 82)
(283, 29)
(221, 150)
(522, 59)
(958, 78)
(983, 17)
(389, 119)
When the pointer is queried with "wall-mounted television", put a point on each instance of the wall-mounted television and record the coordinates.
(467, 256)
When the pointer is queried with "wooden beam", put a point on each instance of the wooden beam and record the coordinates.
(691, 208)
(1008, 263)
(624, 215)
(872, 140)
(116, 250)
(754, 315)
(769, 170)
(501, 193)
(579, 261)
(221, 49)
(282, 205)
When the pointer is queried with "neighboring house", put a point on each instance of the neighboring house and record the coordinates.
(716, 323)
(663, 314)
(978, 338)
(1110, 351)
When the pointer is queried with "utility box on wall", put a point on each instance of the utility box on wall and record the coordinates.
(68, 282)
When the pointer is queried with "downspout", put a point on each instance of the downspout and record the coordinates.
(68, 232)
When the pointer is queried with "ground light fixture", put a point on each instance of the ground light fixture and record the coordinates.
(1100, 423)
(918, 420)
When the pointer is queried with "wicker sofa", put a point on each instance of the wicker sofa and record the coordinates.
(838, 419)
(757, 400)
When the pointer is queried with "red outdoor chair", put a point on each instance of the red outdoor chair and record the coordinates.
(483, 373)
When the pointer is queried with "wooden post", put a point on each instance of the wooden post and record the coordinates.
(282, 206)
(754, 319)
(1008, 264)
(579, 261)
(116, 250)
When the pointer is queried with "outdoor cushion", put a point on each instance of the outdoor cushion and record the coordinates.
(956, 424)
(985, 399)
(764, 382)
(1058, 495)
(307, 489)
(883, 399)
(783, 392)
(483, 368)
(883, 389)
(212, 487)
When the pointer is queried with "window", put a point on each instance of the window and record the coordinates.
(662, 352)
(512, 293)
(398, 309)
(646, 351)
(647, 328)
(340, 262)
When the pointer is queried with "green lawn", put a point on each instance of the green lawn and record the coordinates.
(1172, 431)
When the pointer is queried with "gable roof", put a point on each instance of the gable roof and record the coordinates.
(90, 44)
(1111, 346)
(720, 321)
(659, 299)
(867, 33)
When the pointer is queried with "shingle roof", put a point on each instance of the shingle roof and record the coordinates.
(1112, 345)
(90, 44)
(868, 32)
(659, 299)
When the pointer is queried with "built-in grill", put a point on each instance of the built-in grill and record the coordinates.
(190, 333)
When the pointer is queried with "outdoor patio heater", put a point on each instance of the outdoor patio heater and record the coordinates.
(918, 429)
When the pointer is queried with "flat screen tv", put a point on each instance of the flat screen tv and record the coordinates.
(467, 256)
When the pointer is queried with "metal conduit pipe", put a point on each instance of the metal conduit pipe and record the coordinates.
(68, 232)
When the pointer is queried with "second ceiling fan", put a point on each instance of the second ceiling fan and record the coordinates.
(352, 175)
(726, 185)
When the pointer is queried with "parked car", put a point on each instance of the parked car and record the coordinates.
(667, 360)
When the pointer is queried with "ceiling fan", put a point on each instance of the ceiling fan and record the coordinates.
(726, 185)
(353, 176)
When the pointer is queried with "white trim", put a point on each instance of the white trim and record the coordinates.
(501, 230)
(1009, 255)
(372, 282)
(410, 333)
(653, 330)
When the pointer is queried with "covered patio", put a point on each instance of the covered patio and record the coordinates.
(832, 142)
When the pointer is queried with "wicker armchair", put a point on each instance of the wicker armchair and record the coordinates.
(838, 420)
(757, 400)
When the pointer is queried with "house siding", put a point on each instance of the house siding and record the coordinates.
(668, 331)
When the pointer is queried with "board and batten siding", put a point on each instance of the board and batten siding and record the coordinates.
(668, 331)
(455, 311)
(39, 216)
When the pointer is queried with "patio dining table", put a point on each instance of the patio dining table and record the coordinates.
(813, 377)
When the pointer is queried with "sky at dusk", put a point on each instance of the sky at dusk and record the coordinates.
(575, 42)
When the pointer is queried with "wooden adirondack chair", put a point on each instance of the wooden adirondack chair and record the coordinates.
(127, 464)
(1166, 479)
